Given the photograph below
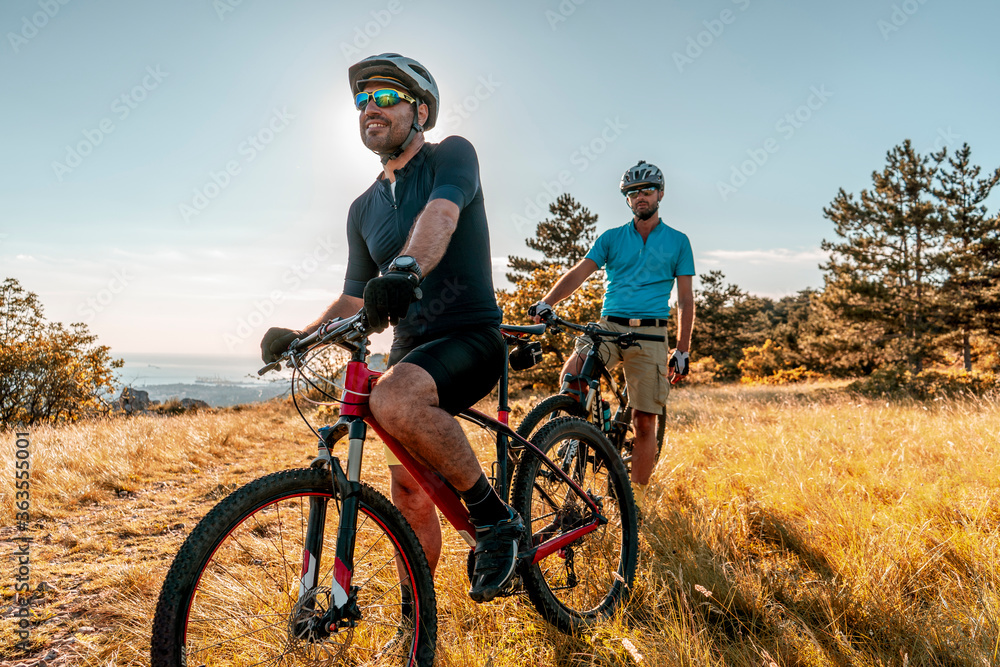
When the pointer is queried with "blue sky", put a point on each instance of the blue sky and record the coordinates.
(177, 175)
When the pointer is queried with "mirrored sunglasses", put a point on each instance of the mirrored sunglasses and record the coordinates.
(383, 98)
(632, 194)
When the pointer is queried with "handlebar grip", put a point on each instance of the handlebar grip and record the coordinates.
(641, 336)
(270, 367)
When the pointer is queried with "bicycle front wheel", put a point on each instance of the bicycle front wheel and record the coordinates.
(589, 579)
(232, 595)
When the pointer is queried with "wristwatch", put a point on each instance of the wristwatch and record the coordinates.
(407, 264)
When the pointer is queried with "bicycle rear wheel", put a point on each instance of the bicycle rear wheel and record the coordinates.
(587, 580)
(232, 597)
(553, 407)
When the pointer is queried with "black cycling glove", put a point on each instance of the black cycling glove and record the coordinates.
(388, 298)
(276, 341)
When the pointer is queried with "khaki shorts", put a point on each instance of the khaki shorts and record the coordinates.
(645, 366)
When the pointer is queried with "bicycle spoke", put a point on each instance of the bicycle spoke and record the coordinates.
(236, 637)
(583, 581)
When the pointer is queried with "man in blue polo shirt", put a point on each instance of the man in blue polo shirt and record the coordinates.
(642, 260)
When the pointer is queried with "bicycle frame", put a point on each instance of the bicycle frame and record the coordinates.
(356, 416)
(591, 372)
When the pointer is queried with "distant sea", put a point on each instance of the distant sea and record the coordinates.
(217, 380)
(154, 369)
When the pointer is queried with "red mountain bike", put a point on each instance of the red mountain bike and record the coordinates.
(309, 566)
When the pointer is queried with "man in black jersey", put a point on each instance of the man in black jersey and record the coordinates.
(423, 222)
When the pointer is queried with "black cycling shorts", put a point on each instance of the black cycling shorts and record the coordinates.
(465, 365)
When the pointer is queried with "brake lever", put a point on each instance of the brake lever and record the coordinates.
(627, 341)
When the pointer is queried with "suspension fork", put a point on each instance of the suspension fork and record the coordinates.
(348, 488)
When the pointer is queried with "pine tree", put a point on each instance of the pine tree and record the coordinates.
(835, 345)
(564, 239)
(729, 319)
(882, 274)
(970, 294)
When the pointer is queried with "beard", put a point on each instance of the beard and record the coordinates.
(647, 212)
(389, 140)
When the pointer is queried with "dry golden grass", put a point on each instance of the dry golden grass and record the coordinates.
(785, 526)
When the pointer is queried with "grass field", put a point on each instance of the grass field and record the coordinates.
(784, 526)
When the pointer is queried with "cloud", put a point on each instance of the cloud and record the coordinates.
(810, 256)
(500, 268)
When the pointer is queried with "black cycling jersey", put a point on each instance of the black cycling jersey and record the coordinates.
(458, 293)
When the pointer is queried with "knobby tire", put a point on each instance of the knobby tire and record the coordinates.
(230, 595)
(588, 580)
(564, 405)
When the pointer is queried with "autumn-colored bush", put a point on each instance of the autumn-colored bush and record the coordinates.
(49, 372)
(898, 382)
(767, 364)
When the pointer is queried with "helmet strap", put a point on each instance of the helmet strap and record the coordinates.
(414, 128)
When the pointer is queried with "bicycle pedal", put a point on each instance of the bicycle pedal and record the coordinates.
(514, 587)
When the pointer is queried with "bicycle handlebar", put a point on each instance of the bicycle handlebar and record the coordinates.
(593, 330)
(345, 333)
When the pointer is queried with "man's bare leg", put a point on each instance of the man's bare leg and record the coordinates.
(573, 366)
(405, 402)
(419, 511)
(643, 446)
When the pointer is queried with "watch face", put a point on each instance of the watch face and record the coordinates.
(405, 262)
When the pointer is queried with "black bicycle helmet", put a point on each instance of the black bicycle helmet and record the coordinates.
(392, 68)
(642, 175)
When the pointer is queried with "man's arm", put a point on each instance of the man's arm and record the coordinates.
(685, 312)
(570, 281)
(431, 233)
(343, 306)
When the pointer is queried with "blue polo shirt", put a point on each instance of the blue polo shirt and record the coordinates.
(640, 276)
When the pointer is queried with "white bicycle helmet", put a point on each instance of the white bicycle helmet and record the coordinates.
(642, 174)
(392, 68)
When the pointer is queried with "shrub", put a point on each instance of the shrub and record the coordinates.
(48, 372)
(898, 382)
(766, 364)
